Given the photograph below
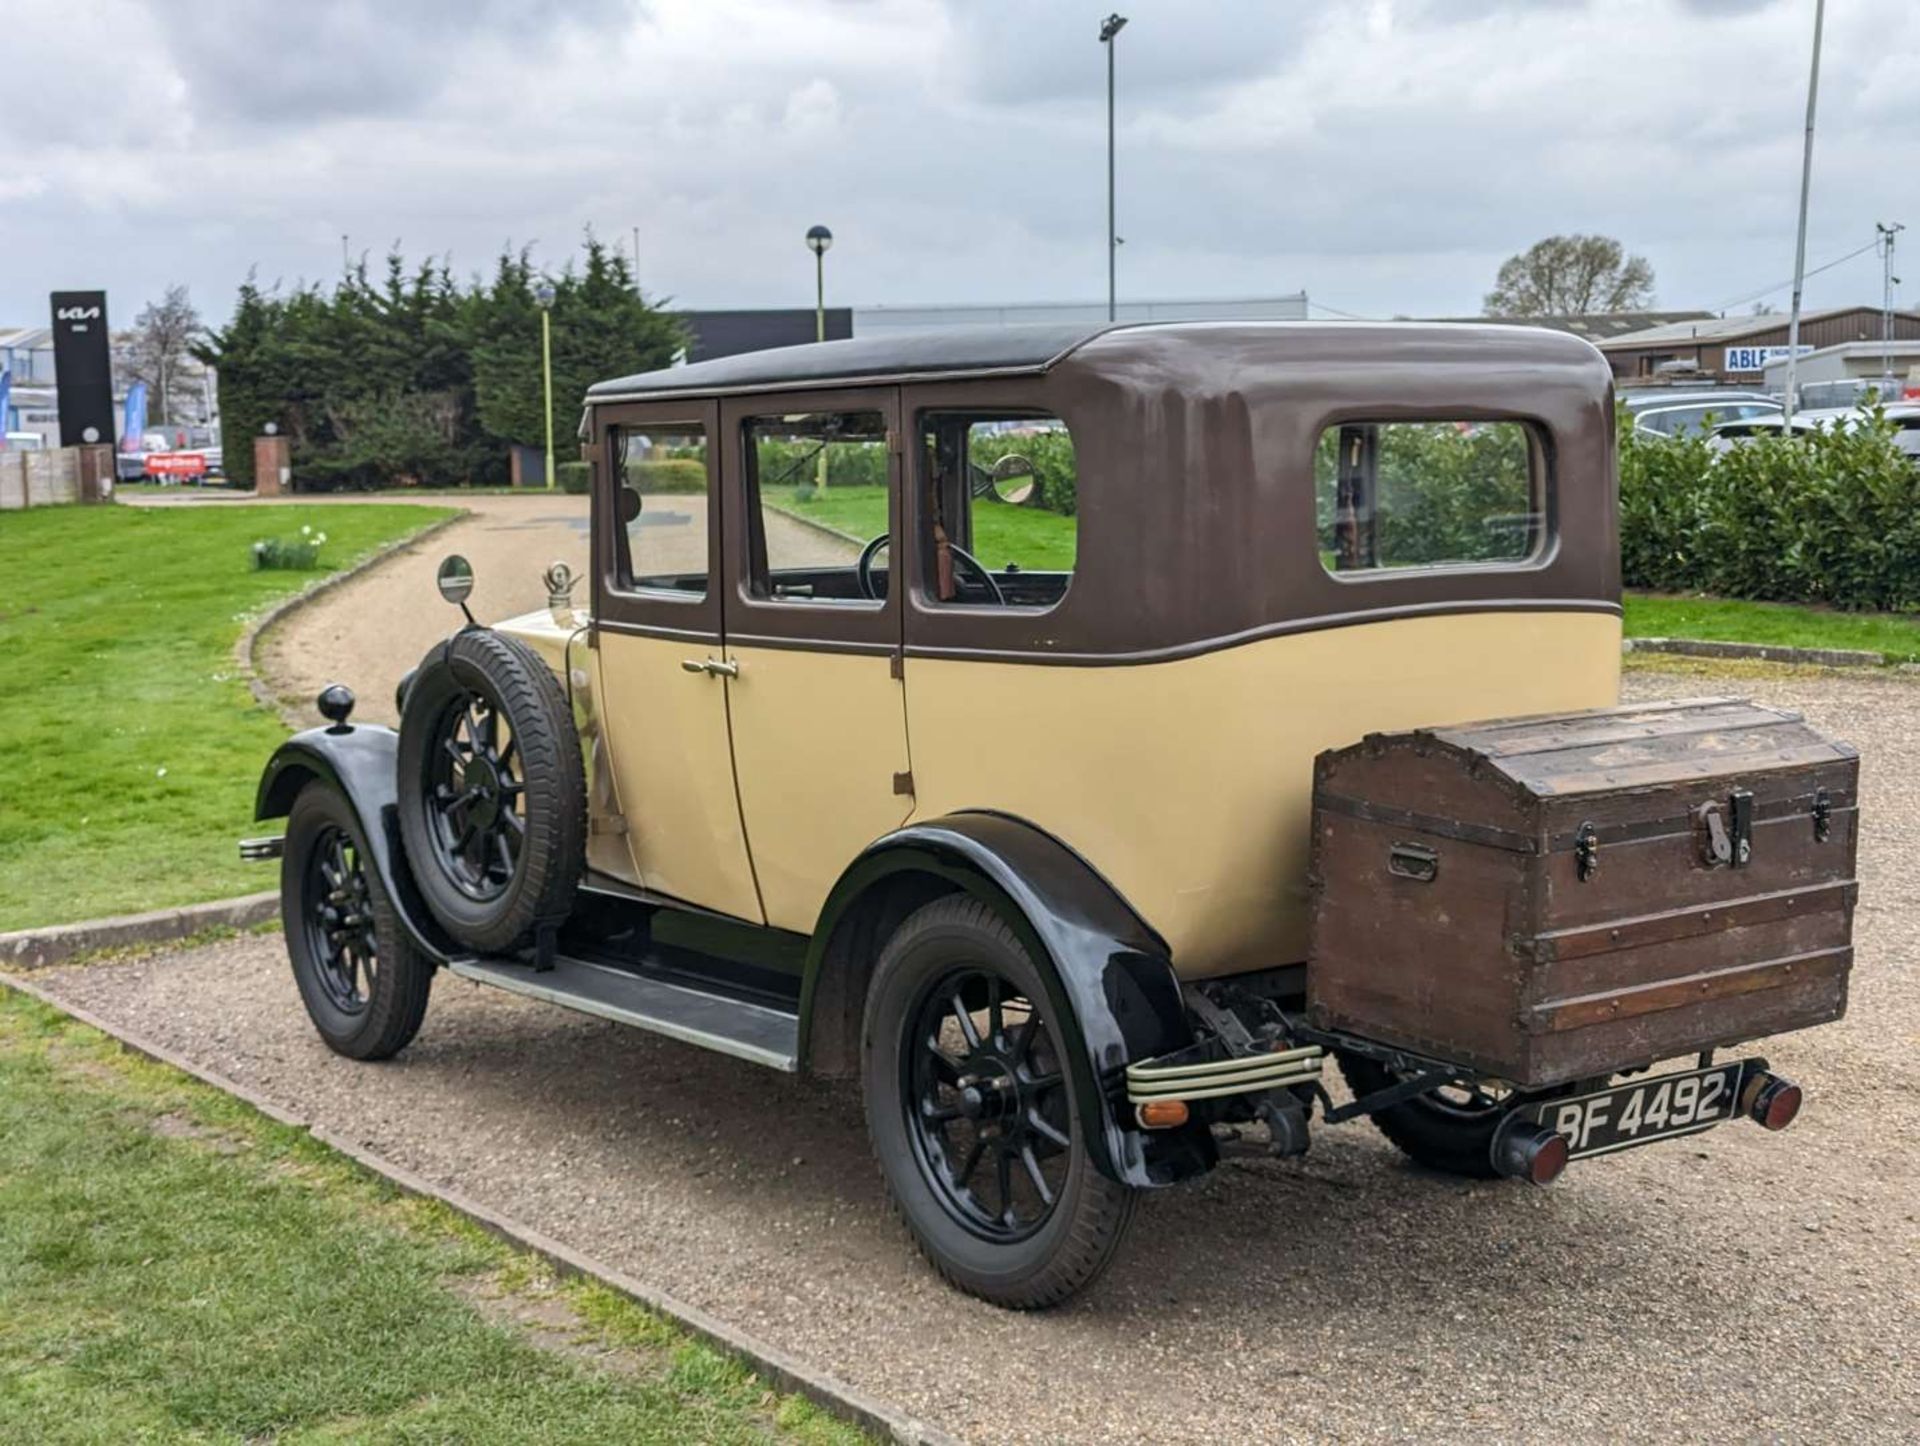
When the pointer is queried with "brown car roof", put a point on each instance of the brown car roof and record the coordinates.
(956, 351)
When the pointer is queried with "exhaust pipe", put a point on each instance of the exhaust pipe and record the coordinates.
(1523, 1150)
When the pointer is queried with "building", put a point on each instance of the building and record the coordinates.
(1740, 348)
(1839, 375)
(32, 403)
(729, 332)
(1595, 326)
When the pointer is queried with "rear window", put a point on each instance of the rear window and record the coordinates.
(1393, 495)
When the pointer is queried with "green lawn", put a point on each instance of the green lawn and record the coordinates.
(1724, 620)
(132, 744)
(176, 1267)
(1002, 533)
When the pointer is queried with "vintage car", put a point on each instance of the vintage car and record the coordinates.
(1079, 737)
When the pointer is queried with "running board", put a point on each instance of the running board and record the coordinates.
(712, 1021)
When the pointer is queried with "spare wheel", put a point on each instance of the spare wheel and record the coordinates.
(492, 794)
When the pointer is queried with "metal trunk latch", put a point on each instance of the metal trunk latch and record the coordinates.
(1728, 839)
(1586, 852)
(1822, 815)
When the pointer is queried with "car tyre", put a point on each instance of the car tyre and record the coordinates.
(492, 792)
(364, 983)
(971, 1178)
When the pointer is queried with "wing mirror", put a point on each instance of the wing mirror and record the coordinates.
(455, 581)
(1014, 478)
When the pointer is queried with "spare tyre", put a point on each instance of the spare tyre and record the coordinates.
(492, 794)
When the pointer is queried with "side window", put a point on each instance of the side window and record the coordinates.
(1429, 494)
(817, 497)
(660, 493)
(999, 504)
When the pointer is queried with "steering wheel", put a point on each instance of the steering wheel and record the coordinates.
(980, 580)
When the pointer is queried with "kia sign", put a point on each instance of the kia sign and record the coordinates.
(176, 464)
(82, 366)
(1758, 358)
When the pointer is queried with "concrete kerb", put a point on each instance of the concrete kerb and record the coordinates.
(54, 944)
(1760, 652)
(783, 1369)
(818, 526)
(245, 649)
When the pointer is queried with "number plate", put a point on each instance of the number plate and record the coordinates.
(1638, 1114)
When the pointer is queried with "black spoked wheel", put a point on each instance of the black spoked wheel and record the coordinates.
(364, 982)
(492, 791)
(987, 1098)
(475, 797)
(1450, 1128)
(973, 1116)
(341, 938)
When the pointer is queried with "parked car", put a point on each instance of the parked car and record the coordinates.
(23, 442)
(1083, 830)
(1679, 418)
(130, 463)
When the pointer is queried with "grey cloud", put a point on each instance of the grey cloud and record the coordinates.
(284, 64)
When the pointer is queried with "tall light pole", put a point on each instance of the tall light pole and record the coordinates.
(819, 238)
(1800, 245)
(1887, 231)
(543, 295)
(1109, 28)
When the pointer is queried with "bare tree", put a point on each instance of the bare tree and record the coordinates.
(1569, 275)
(162, 336)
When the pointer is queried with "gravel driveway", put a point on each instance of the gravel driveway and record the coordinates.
(368, 632)
(1736, 1286)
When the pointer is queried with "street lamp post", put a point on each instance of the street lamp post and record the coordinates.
(1887, 231)
(819, 238)
(1800, 244)
(1109, 28)
(543, 295)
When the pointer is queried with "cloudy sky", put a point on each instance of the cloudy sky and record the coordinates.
(1384, 155)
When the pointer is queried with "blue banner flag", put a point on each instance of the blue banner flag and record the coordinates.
(133, 427)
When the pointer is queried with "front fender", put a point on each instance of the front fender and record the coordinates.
(1110, 978)
(357, 760)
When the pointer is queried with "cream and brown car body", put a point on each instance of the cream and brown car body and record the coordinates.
(787, 754)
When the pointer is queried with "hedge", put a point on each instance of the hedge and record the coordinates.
(1830, 517)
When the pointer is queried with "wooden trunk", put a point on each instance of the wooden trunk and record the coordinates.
(1558, 898)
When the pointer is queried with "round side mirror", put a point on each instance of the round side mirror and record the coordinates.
(1014, 478)
(455, 579)
(629, 506)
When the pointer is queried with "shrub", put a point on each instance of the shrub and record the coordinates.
(289, 554)
(1830, 517)
(573, 477)
(668, 474)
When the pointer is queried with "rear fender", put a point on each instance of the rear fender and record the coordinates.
(1110, 978)
(358, 761)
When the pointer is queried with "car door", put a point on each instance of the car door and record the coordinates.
(662, 699)
(814, 693)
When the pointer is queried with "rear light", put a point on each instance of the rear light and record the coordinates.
(1530, 1152)
(1772, 1101)
(1163, 1114)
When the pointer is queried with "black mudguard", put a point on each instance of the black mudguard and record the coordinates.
(1111, 980)
(358, 761)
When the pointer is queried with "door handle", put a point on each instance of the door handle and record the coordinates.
(710, 668)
